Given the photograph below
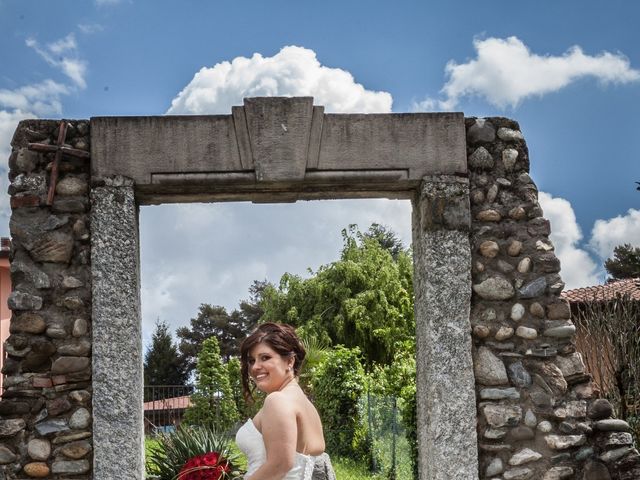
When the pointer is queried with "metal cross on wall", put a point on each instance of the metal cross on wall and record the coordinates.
(59, 149)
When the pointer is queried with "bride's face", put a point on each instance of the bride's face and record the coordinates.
(268, 368)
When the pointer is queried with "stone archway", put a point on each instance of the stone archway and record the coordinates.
(501, 389)
(277, 149)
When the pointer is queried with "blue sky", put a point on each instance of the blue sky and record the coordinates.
(568, 71)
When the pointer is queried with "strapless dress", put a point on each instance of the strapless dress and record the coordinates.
(250, 441)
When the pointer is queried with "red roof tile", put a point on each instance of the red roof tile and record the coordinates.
(608, 291)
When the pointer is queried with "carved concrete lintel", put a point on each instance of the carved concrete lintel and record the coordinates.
(444, 203)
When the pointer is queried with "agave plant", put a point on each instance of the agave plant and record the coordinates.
(173, 450)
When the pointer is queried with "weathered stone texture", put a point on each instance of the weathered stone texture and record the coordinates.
(117, 345)
(442, 293)
(519, 320)
(36, 407)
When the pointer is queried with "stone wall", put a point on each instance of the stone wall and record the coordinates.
(537, 415)
(45, 425)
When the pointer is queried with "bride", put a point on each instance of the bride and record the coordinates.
(284, 438)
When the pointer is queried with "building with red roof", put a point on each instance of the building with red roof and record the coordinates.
(609, 291)
(600, 313)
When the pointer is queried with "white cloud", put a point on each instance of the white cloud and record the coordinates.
(63, 45)
(36, 100)
(294, 71)
(195, 253)
(607, 234)
(90, 28)
(40, 98)
(578, 268)
(8, 123)
(505, 72)
(29, 101)
(62, 54)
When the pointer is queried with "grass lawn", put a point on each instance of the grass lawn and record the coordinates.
(349, 469)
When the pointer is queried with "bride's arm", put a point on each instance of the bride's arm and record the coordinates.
(280, 435)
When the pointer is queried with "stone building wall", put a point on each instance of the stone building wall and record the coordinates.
(45, 424)
(537, 415)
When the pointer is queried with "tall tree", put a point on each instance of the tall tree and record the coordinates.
(228, 328)
(162, 364)
(387, 239)
(213, 401)
(211, 321)
(625, 262)
(251, 310)
(365, 299)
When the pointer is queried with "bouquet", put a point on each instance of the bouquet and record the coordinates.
(193, 453)
(208, 466)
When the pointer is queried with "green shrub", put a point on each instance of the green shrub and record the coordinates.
(338, 385)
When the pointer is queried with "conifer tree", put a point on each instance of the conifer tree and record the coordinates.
(213, 401)
(625, 262)
(162, 364)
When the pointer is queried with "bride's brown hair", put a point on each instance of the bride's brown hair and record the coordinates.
(280, 337)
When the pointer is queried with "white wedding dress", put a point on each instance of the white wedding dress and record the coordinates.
(250, 441)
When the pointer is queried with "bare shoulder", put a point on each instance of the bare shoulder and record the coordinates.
(278, 402)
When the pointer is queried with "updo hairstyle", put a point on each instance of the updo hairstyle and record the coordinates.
(282, 339)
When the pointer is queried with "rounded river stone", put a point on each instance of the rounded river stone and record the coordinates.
(6, 455)
(495, 288)
(558, 473)
(69, 364)
(29, 323)
(489, 249)
(481, 158)
(488, 368)
(517, 312)
(39, 449)
(8, 428)
(519, 375)
(509, 135)
(72, 186)
(80, 419)
(526, 455)
(481, 131)
(489, 215)
(612, 425)
(37, 469)
(494, 468)
(600, 409)
(509, 157)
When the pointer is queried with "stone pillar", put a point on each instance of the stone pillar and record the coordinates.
(446, 403)
(117, 337)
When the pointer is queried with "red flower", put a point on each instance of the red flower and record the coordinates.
(208, 466)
